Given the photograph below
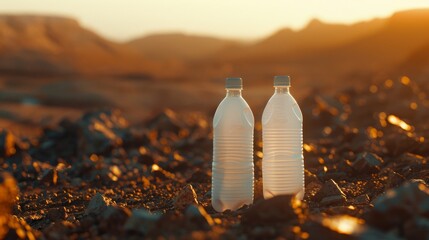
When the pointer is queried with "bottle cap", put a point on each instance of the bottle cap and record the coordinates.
(234, 82)
(281, 81)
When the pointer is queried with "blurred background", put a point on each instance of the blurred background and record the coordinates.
(61, 58)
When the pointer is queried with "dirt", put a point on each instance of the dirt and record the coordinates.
(99, 177)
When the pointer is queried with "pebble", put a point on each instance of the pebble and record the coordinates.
(187, 196)
(367, 163)
(98, 204)
(57, 214)
(198, 215)
(330, 194)
(397, 206)
(141, 221)
(277, 209)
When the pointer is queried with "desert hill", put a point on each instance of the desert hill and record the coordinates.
(179, 46)
(287, 44)
(322, 55)
(328, 52)
(403, 34)
(49, 45)
(416, 65)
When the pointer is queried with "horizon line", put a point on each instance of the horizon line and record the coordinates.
(242, 39)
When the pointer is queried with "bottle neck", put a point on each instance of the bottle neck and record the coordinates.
(234, 92)
(281, 90)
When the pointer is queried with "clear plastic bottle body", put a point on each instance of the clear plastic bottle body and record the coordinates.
(283, 161)
(232, 169)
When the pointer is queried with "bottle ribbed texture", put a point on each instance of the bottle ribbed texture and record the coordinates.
(232, 167)
(232, 171)
(282, 164)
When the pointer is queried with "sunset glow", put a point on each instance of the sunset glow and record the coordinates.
(123, 20)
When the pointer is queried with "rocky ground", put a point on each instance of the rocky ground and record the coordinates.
(366, 159)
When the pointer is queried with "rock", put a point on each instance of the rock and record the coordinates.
(98, 204)
(409, 161)
(61, 142)
(362, 199)
(114, 218)
(197, 215)
(329, 188)
(310, 177)
(7, 144)
(186, 197)
(399, 142)
(394, 179)
(330, 194)
(141, 221)
(277, 209)
(312, 189)
(101, 130)
(49, 176)
(8, 193)
(332, 200)
(417, 228)
(57, 214)
(397, 206)
(367, 163)
(58, 230)
(88, 221)
(165, 121)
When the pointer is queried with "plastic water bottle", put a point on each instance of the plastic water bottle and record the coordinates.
(232, 169)
(283, 161)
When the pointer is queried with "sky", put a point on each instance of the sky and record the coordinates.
(123, 20)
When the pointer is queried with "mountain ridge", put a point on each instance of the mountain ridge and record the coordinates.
(60, 45)
(56, 45)
(179, 46)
